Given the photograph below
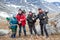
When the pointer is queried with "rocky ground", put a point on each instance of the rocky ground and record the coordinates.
(28, 37)
(51, 37)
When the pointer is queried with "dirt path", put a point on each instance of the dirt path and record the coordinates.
(51, 37)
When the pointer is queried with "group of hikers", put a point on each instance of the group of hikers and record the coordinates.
(20, 20)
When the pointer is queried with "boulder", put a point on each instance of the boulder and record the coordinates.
(3, 32)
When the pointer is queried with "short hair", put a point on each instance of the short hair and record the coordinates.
(30, 12)
(19, 10)
(39, 8)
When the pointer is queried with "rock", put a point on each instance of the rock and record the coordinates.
(3, 32)
(50, 29)
(38, 29)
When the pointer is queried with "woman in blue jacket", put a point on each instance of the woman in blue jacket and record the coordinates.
(13, 26)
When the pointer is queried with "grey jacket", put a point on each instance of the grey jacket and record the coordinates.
(43, 18)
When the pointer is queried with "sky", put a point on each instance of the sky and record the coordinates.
(52, 0)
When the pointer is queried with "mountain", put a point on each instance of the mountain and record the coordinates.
(3, 32)
(33, 5)
(10, 7)
(56, 3)
(29, 5)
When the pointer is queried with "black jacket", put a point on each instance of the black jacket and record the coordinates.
(42, 17)
(30, 20)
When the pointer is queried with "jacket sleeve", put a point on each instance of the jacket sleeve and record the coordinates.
(36, 17)
(10, 22)
(28, 19)
(46, 17)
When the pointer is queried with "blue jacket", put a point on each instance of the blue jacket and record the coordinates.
(13, 22)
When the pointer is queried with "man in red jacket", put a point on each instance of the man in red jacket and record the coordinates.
(21, 21)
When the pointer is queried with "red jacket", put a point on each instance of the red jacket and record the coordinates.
(21, 18)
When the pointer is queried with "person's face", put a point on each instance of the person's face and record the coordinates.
(40, 11)
(30, 13)
(19, 11)
(8, 20)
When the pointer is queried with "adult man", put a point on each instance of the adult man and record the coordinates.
(42, 18)
(31, 22)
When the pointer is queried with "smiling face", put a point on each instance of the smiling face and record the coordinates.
(40, 11)
(30, 13)
(19, 11)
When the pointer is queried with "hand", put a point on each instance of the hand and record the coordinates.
(43, 17)
(33, 18)
(20, 19)
(19, 22)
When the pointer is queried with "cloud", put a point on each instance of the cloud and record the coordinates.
(52, 0)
